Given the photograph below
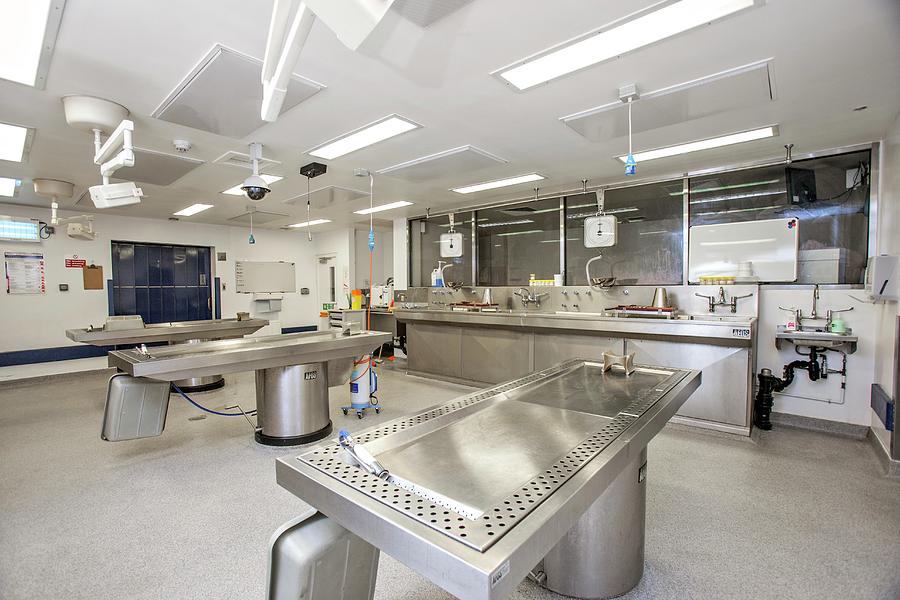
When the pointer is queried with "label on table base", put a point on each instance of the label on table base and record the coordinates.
(502, 572)
(740, 332)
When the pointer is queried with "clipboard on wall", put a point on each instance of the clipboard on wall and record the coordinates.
(93, 277)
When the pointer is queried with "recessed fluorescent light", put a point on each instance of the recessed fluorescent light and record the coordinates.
(370, 134)
(490, 185)
(311, 223)
(375, 209)
(22, 39)
(717, 142)
(634, 31)
(237, 191)
(192, 210)
(8, 186)
(12, 142)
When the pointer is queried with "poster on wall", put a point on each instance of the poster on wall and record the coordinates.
(75, 262)
(24, 273)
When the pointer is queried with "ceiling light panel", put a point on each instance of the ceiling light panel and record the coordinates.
(12, 142)
(237, 191)
(192, 210)
(386, 128)
(8, 187)
(311, 223)
(23, 39)
(490, 185)
(717, 142)
(642, 28)
(383, 207)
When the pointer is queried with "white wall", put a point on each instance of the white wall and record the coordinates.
(888, 242)
(40, 321)
(808, 398)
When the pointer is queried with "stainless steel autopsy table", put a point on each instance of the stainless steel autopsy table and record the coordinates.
(293, 373)
(190, 332)
(545, 474)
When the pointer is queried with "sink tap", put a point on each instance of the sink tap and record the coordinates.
(529, 297)
(722, 301)
(815, 300)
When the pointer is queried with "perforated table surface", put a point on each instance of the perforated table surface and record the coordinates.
(496, 477)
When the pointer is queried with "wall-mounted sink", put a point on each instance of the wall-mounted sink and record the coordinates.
(819, 339)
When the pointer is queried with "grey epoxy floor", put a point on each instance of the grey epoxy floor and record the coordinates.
(794, 514)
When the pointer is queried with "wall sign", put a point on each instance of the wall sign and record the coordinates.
(74, 262)
(24, 273)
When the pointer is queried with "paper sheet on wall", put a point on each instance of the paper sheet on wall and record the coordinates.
(24, 273)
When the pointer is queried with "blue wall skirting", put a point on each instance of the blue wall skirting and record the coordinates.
(39, 355)
(300, 329)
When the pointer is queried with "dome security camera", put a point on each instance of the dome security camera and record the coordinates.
(255, 187)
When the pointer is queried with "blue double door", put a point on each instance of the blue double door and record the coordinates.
(161, 282)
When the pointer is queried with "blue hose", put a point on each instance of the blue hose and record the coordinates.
(188, 398)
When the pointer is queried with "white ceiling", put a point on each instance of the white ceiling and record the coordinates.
(829, 56)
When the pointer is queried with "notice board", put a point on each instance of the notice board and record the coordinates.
(264, 277)
(770, 246)
(24, 273)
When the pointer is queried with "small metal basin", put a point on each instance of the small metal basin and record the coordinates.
(818, 339)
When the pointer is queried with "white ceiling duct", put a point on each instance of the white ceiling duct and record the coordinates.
(352, 21)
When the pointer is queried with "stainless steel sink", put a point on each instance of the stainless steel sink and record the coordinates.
(819, 339)
(724, 318)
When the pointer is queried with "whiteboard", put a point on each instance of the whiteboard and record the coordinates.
(771, 246)
(271, 277)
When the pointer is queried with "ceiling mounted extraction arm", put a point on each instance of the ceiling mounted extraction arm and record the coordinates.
(99, 117)
(352, 21)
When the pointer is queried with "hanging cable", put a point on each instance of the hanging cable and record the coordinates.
(251, 239)
(308, 212)
(371, 247)
(209, 410)
(630, 164)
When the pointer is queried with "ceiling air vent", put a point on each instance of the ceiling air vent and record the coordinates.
(448, 163)
(198, 100)
(260, 217)
(329, 196)
(239, 159)
(157, 168)
(425, 12)
(733, 89)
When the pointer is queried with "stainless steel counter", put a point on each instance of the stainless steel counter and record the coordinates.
(732, 331)
(182, 331)
(171, 363)
(489, 347)
(501, 475)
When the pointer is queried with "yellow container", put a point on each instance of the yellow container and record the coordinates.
(356, 299)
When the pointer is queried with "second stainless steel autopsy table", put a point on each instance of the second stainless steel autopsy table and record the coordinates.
(545, 474)
(186, 332)
(293, 373)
